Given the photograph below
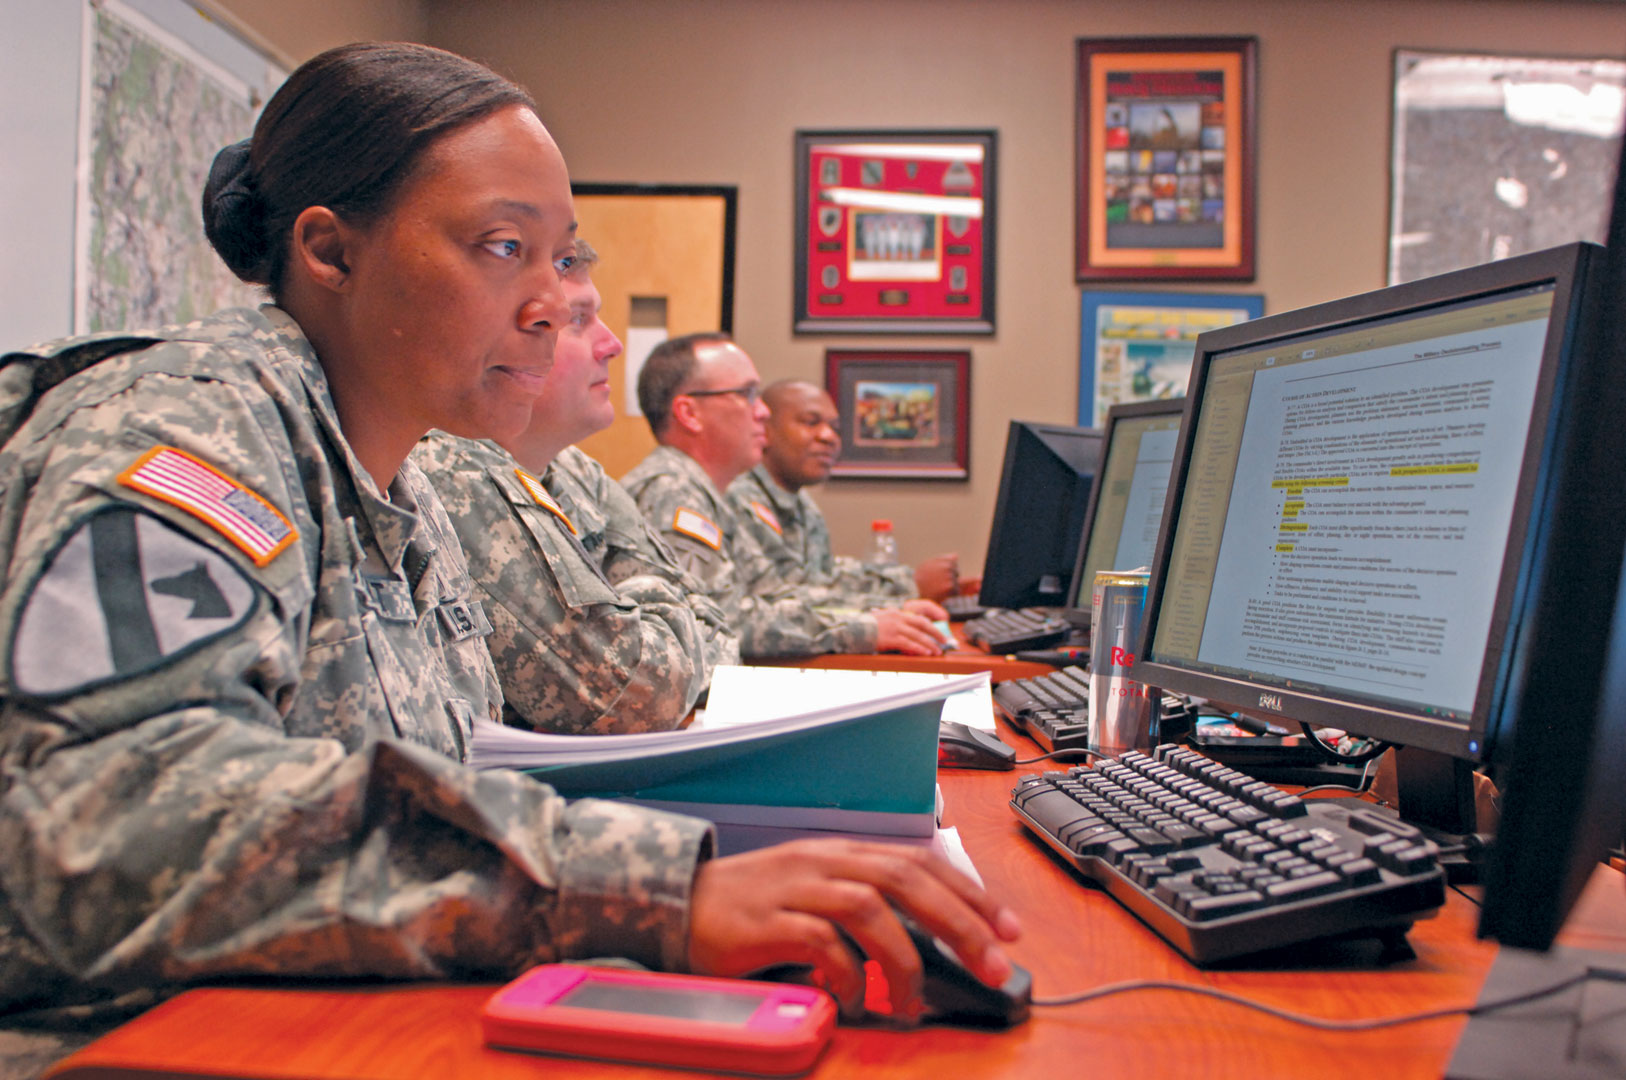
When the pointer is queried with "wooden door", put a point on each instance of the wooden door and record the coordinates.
(672, 248)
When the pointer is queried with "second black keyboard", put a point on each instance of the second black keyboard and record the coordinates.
(961, 608)
(1053, 709)
(1064, 688)
(1221, 865)
(1008, 631)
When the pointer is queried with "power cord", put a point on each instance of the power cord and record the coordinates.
(1332, 1025)
(1056, 755)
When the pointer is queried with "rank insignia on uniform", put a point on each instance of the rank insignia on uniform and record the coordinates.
(766, 515)
(240, 515)
(544, 498)
(126, 593)
(699, 527)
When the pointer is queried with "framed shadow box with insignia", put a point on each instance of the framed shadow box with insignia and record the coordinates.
(895, 232)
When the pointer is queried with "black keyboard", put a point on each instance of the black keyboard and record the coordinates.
(1053, 709)
(1222, 865)
(1065, 688)
(961, 608)
(1008, 631)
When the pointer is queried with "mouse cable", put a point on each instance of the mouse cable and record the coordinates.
(1056, 755)
(1362, 785)
(1334, 1025)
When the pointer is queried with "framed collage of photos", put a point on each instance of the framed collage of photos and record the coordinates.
(895, 232)
(905, 413)
(1165, 158)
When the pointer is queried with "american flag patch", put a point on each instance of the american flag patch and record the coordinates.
(544, 498)
(766, 516)
(240, 515)
(698, 527)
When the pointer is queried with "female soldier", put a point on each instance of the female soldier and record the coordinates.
(241, 661)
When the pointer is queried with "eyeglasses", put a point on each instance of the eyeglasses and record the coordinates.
(751, 392)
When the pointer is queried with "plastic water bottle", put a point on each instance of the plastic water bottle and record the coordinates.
(883, 547)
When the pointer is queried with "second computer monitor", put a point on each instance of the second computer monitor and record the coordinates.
(1126, 503)
(1043, 492)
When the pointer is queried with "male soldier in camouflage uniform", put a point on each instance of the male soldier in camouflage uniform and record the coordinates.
(700, 394)
(614, 532)
(595, 628)
(238, 684)
(773, 503)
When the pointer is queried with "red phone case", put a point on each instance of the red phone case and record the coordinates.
(783, 1035)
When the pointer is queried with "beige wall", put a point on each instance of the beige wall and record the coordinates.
(709, 91)
(299, 29)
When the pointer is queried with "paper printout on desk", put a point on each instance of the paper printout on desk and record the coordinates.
(747, 695)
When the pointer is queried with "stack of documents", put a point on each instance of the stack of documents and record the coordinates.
(781, 748)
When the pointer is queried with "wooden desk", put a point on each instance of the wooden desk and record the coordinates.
(1076, 938)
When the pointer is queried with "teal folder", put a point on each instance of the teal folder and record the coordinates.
(866, 767)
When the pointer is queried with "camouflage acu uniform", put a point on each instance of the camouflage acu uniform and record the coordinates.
(771, 616)
(575, 654)
(790, 529)
(614, 531)
(216, 762)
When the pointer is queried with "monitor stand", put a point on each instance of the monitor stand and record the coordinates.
(1575, 1034)
(1437, 795)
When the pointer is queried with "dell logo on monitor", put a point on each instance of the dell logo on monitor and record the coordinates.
(1273, 702)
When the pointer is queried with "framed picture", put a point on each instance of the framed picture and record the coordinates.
(905, 413)
(1492, 156)
(895, 232)
(1165, 166)
(1135, 346)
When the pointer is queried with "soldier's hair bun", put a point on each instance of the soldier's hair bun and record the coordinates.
(234, 215)
(344, 132)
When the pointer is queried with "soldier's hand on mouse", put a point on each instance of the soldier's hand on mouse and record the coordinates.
(793, 903)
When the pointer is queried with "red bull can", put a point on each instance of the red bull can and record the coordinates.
(1123, 712)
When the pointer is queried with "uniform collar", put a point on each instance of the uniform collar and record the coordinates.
(784, 502)
(393, 523)
(687, 467)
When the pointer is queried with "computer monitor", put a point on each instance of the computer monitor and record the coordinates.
(1126, 501)
(1564, 783)
(1039, 514)
(1350, 537)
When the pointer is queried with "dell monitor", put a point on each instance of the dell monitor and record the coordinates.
(1352, 533)
(1039, 515)
(1564, 784)
(1126, 502)
(1563, 772)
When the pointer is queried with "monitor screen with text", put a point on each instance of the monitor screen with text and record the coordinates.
(1133, 480)
(1346, 507)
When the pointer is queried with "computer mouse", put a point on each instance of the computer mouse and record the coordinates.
(963, 747)
(953, 995)
(947, 644)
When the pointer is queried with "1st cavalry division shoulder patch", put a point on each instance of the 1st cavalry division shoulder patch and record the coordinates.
(126, 593)
(238, 514)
